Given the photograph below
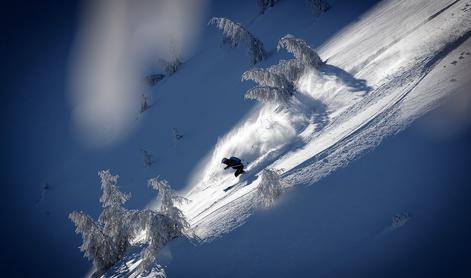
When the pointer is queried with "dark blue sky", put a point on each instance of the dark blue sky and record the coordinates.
(38, 239)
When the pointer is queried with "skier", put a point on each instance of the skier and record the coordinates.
(234, 163)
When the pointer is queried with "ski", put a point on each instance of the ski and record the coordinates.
(229, 188)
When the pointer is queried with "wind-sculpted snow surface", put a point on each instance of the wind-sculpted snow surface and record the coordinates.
(377, 80)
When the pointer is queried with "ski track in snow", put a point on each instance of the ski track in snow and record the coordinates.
(382, 73)
(408, 41)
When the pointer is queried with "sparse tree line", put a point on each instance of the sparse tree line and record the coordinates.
(234, 35)
(275, 84)
(106, 241)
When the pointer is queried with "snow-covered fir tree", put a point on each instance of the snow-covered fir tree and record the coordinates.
(107, 240)
(264, 5)
(235, 34)
(168, 199)
(318, 7)
(96, 246)
(114, 217)
(301, 51)
(270, 187)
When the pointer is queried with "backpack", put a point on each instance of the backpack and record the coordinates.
(233, 158)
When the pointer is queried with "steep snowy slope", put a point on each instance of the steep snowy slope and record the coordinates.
(401, 66)
(381, 73)
(386, 68)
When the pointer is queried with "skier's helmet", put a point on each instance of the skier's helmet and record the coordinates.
(224, 160)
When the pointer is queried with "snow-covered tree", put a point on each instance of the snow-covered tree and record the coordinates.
(173, 64)
(304, 57)
(148, 158)
(301, 51)
(144, 104)
(153, 79)
(270, 187)
(176, 134)
(96, 246)
(277, 82)
(318, 7)
(400, 219)
(111, 195)
(106, 241)
(158, 230)
(114, 217)
(170, 66)
(235, 34)
(162, 226)
(264, 5)
(168, 199)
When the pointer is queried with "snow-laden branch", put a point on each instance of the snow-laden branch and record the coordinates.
(169, 198)
(270, 187)
(291, 69)
(265, 77)
(301, 51)
(235, 34)
(111, 195)
(267, 94)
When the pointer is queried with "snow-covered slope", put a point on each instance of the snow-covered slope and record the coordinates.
(382, 72)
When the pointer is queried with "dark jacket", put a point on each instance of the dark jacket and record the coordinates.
(233, 162)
